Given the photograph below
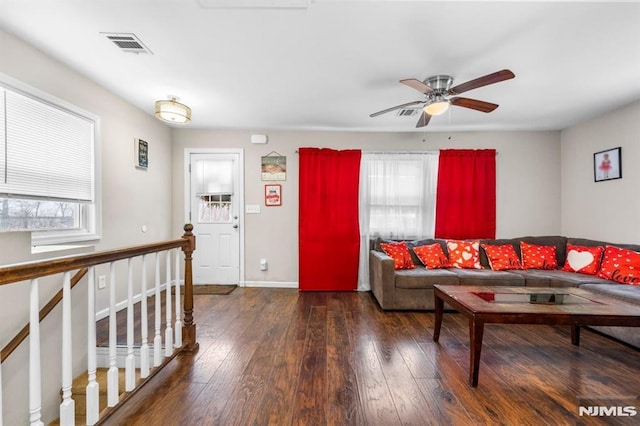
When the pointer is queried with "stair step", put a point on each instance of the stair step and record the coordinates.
(79, 385)
(79, 388)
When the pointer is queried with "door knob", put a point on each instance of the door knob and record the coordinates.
(235, 226)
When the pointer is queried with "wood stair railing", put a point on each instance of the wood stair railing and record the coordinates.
(82, 264)
(24, 333)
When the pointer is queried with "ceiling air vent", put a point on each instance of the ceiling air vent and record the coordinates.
(408, 112)
(128, 42)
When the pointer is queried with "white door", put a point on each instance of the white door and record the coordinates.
(215, 201)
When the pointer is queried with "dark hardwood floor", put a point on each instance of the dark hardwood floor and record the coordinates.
(280, 357)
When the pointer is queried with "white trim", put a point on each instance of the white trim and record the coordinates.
(187, 191)
(270, 284)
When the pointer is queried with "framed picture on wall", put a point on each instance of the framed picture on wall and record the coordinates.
(273, 166)
(272, 195)
(141, 154)
(607, 164)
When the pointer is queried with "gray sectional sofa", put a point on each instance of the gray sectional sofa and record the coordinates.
(412, 289)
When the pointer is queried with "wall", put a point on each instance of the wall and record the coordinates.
(607, 210)
(131, 198)
(528, 172)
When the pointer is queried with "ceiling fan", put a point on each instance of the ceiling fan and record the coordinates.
(437, 90)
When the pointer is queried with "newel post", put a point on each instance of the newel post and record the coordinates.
(188, 327)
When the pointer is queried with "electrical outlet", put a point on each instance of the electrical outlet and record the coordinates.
(102, 282)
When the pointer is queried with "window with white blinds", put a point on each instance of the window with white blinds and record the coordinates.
(47, 151)
(48, 168)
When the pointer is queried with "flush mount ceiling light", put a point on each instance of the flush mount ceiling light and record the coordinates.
(173, 111)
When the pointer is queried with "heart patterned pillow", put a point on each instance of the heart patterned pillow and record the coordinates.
(620, 265)
(432, 256)
(502, 258)
(399, 252)
(585, 260)
(538, 257)
(464, 254)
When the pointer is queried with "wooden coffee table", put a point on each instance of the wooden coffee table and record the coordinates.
(528, 305)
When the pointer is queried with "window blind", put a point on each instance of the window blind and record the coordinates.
(47, 151)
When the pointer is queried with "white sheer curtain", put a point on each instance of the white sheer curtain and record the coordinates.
(397, 200)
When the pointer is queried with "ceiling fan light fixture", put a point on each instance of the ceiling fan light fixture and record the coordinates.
(439, 106)
(172, 111)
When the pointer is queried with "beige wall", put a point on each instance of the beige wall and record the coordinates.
(609, 210)
(528, 172)
(131, 198)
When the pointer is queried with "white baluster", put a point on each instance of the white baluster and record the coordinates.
(168, 332)
(35, 377)
(178, 301)
(68, 406)
(144, 347)
(93, 388)
(130, 363)
(112, 374)
(157, 340)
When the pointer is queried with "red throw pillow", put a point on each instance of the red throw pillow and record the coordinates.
(582, 259)
(620, 265)
(502, 257)
(399, 253)
(538, 257)
(432, 256)
(464, 254)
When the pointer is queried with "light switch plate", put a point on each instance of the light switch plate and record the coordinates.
(252, 208)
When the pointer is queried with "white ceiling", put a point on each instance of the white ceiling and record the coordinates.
(332, 63)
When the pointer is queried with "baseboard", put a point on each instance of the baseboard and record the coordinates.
(270, 284)
(104, 313)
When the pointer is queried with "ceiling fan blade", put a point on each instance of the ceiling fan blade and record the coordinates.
(474, 104)
(417, 84)
(424, 119)
(482, 81)
(375, 114)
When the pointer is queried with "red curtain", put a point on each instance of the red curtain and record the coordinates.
(329, 234)
(466, 194)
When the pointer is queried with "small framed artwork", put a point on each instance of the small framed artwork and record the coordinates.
(273, 166)
(272, 195)
(607, 164)
(141, 154)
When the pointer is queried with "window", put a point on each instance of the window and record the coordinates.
(397, 200)
(48, 166)
(398, 193)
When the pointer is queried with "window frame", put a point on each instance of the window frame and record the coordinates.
(90, 213)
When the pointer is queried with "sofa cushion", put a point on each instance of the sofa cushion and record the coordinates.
(534, 277)
(424, 278)
(627, 293)
(538, 257)
(487, 277)
(559, 278)
(621, 265)
(464, 254)
(502, 257)
(583, 259)
(432, 256)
